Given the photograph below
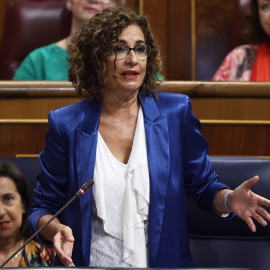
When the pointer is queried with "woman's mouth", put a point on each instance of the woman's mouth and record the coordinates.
(4, 223)
(130, 74)
(91, 10)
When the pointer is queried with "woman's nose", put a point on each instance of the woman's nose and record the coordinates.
(2, 210)
(132, 58)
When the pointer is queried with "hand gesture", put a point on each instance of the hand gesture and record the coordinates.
(247, 205)
(63, 245)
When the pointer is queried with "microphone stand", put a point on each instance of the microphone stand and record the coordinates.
(80, 192)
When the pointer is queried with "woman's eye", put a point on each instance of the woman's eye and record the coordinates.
(265, 6)
(119, 49)
(140, 49)
(8, 198)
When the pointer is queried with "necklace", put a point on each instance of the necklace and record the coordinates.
(15, 257)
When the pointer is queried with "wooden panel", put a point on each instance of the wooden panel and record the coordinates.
(213, 26)
(157, 13)
(239, 140)
(232, 108)
(179, 45)
(22, 139)
(31, 108)
(235, 117)
(134, 4)
(2, 17)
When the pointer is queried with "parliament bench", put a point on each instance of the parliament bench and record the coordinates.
(235, 116)
(214, 242)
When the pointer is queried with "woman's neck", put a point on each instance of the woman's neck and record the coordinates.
(115, 106)
(8, 244)
(7, 249)
(64, 43)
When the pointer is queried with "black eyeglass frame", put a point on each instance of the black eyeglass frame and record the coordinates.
(148, 51)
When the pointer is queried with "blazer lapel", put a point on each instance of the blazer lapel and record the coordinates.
(157, 139)
(86, 142)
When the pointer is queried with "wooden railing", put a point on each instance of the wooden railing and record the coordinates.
(235, 117)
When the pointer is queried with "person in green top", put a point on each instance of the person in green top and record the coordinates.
(50, 62)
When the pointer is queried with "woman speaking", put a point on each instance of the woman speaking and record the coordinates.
(143, 149)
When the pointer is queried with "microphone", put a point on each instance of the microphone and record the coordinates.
(79, 193)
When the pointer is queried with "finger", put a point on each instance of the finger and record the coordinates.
(263, 201)
(67, 249)
(251, 224)
(67, 233)
(67, 261)
(251, 182)
(260, 219)
(264, 213)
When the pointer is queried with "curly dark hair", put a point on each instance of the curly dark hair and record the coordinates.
(10, 170)
(253, 32)
(96, 40)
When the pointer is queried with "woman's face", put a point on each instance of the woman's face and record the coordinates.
(11, 209)
(127, 74)
(84, 10)
(264, 13)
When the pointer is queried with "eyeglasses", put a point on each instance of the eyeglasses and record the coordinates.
(141, 51)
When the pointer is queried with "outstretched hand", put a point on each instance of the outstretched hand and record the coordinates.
(247, 205)
(63, 244)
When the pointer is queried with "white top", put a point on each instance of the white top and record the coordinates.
(121, 205)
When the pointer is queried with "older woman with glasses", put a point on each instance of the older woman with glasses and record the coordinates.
(143, 149)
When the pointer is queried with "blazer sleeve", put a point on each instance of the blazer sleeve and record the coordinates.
(50, 194)
(201, 182)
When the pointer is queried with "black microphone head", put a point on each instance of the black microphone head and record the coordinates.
(87, 185)
(85, 188)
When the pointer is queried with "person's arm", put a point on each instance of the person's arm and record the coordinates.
(202, 183)
(61, 236)
(51, 193)
(244, 203)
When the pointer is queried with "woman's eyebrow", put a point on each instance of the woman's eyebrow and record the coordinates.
(125, 42)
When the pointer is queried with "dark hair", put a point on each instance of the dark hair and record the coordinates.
(96, 40)
(253, 32)
(10, 170)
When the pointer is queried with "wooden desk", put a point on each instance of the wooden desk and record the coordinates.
(235, 117)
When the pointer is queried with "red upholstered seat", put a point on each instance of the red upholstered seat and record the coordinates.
(30, 24)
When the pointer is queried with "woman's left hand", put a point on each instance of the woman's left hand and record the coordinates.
(247, 205)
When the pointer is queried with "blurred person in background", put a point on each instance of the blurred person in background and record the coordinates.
(50, 62)
(15, 200)
(250, 62)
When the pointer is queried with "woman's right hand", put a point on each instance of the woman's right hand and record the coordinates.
(63, 245)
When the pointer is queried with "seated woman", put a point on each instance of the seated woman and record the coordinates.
(250, 62)
(50, 62)
(15, 200)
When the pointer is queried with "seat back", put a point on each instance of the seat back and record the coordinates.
(230, 243)
(30, 24)
(30, 168)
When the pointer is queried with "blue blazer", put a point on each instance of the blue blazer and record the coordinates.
(178, 166)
